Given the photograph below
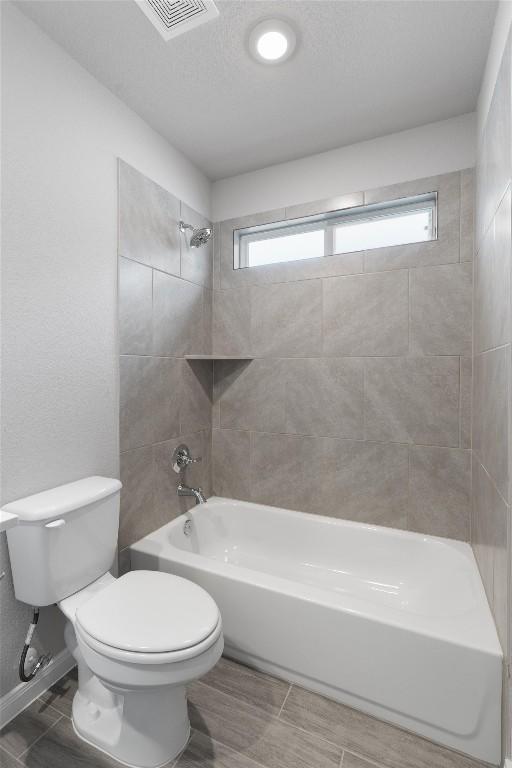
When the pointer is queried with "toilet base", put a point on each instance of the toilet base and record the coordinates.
(109, 754)
(142, 729)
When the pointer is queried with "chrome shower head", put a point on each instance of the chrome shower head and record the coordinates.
(199, 236)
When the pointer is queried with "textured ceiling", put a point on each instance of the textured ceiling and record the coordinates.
(361, 70)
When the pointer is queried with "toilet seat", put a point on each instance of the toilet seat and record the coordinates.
(136, 657)
(149, 617)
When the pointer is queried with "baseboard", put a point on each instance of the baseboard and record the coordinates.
(508, 763)
(24, 694)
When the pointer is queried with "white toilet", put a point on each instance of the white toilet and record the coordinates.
(138, 640)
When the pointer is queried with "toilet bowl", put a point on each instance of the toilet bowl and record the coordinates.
(138, 640)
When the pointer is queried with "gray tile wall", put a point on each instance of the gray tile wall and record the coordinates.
(358, 401)
(492, 337)
(165, 313)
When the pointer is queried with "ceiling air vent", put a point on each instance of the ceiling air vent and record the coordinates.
(173, 17)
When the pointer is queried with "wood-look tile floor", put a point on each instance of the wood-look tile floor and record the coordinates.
(240, 719)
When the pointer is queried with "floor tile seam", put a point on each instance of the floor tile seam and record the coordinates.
(25, 708)
(312, 733)
(285, 700)
(62, 714)
(47, 705)
(9, 754)
(276, 719)
(370, 760)
(362, 755)
(247, 703)
(40, 737)
(225, 746)
(193, 731)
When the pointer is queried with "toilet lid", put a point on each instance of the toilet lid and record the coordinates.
(149, 612)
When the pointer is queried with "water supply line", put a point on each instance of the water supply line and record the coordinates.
(41, 662)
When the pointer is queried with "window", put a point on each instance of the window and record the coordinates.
(398, 222)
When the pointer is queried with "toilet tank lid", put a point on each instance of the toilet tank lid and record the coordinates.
(56, 502)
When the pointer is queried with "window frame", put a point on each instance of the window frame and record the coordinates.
(327, 222)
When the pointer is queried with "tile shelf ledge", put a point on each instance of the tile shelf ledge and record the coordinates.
(218, 357)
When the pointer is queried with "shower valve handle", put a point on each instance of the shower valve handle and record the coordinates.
(181, 458)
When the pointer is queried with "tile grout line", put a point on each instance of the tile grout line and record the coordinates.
(163, 272)
(186, 433)
(409, 495)
(285, 700)
(486, 351)
(365, 382)
(491, 478)
(273, 717)
(225, 746)
(343, 748)
(409, 308)
(372, 441)
(251, 464)
(460, 402)
(471, 533)
(41, 735)
(460, 214)
(369, 760)
(294, 727)
(241, 359)
(334, 276)
(8, 754)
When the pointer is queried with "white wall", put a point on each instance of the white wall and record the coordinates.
(500, 32)
(61, 134)
(426, 151)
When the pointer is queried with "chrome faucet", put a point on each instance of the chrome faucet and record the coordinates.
(181, 459)
(197, 493)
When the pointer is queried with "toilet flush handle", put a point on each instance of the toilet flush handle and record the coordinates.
(56, 523)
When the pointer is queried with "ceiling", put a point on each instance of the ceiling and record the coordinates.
(361, 70)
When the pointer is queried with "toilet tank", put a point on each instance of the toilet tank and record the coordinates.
(65, 539)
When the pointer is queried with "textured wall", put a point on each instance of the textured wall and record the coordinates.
(165, 306)
(492, 336)
(357, 403)
(61, 134)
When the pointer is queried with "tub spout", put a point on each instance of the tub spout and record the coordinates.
(197, 493)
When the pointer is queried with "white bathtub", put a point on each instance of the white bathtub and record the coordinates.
(393, 623)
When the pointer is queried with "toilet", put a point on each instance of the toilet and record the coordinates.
(138, 640)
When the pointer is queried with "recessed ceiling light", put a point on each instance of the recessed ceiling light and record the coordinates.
(272, 41)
